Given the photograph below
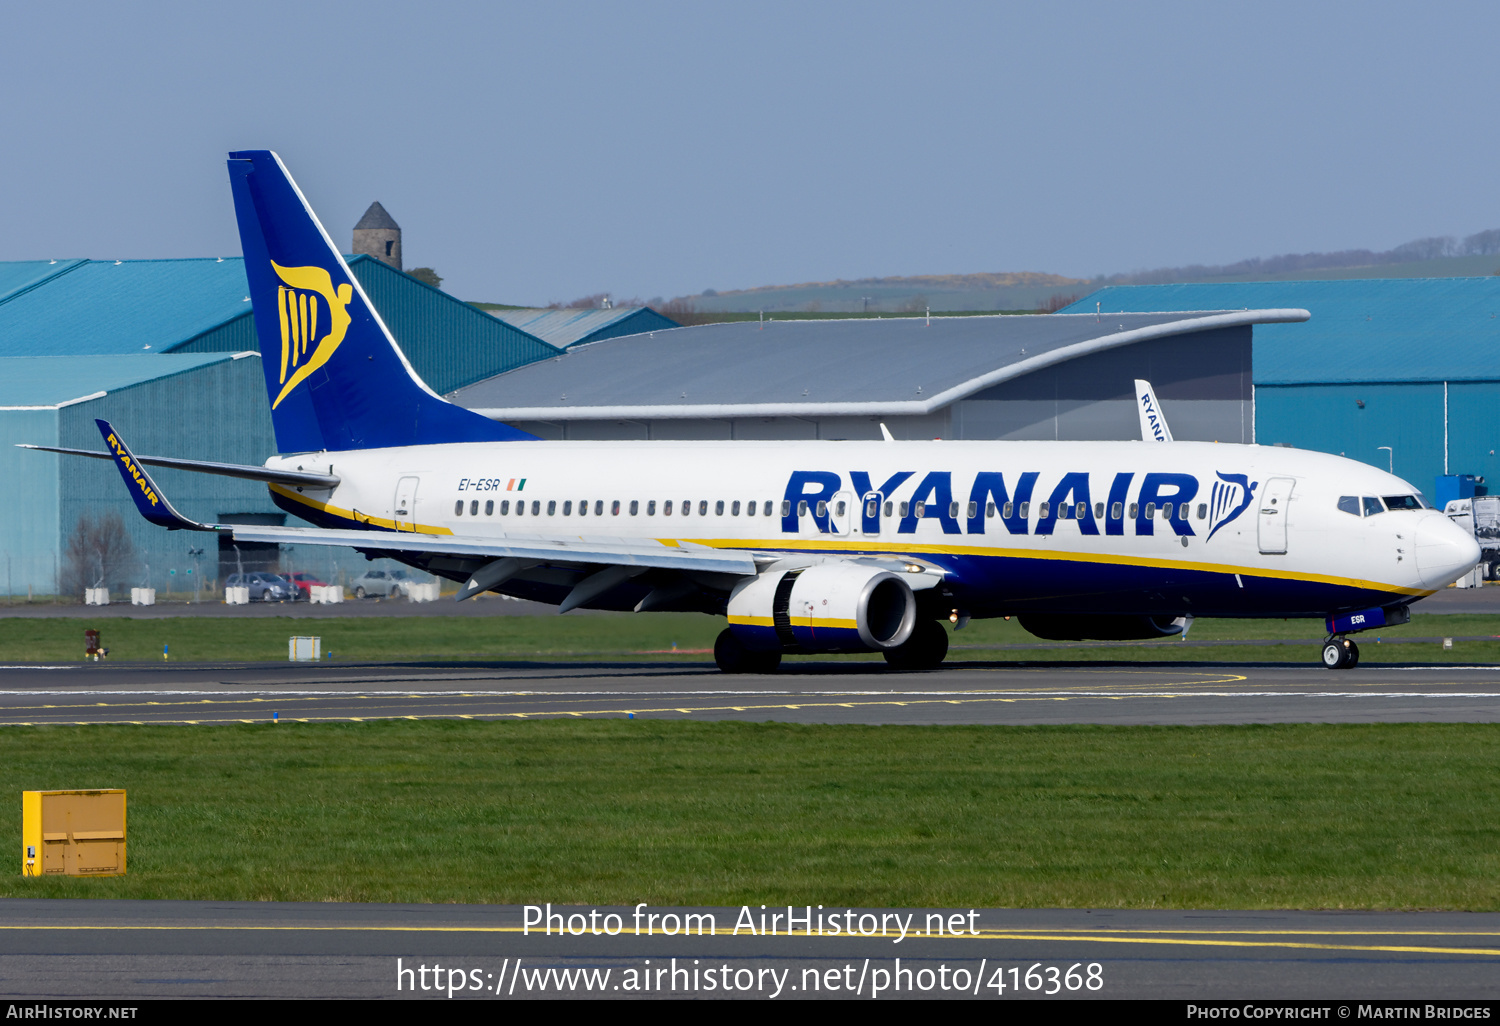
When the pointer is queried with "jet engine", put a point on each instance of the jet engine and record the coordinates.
(831, 607)
(1100, 627)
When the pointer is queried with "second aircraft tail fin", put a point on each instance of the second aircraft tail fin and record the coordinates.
(335, 377)
(1153, 422)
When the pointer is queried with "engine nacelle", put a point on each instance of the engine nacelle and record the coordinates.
(1099, 627)
(831, 607)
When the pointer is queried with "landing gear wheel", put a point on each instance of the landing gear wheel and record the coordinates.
(924, 650)
(731, 656)
(1340, 654)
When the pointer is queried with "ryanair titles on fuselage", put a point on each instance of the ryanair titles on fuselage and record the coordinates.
(1095, 503)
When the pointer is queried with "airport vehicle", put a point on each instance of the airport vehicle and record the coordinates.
(804, 546)
(1480, 517)
(264, 587)
(385, 583)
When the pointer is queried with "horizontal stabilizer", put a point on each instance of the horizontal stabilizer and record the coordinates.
(248, 473)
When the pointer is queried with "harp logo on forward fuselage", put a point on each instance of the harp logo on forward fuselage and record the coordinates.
(306, 303)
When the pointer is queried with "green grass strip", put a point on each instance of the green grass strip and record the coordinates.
(614, 811)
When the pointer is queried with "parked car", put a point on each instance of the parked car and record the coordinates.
(385, 583)
(263, 587)
(305, 583)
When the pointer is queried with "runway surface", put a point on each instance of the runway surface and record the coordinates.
(807, 692)
(123, 949)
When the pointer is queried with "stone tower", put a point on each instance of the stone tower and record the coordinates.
(378, 236)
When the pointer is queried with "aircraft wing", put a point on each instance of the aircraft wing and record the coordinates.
(643, 555)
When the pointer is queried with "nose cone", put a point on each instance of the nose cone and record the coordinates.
(1445, 551)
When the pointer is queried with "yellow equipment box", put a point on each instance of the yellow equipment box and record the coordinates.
(73, 833)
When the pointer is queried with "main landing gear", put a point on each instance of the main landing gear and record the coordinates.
(731, 656)
(924, 650)
(1339, 653)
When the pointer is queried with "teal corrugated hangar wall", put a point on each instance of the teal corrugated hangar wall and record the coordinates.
(1396, 373)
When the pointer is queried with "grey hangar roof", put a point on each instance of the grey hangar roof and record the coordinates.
(891, 366)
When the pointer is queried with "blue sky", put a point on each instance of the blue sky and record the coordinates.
(537, 152)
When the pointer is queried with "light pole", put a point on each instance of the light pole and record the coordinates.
(1390, 457)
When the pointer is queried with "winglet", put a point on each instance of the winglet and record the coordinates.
(148, 498)
(1153, 423)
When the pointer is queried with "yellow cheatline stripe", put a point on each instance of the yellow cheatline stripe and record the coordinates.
(357, 518)
(982, 935)
(798, 621)
(918, 549)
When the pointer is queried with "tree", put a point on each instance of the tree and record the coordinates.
(99, 550)
(427, 276)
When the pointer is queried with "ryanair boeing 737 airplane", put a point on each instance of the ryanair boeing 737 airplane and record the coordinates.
(805, 546)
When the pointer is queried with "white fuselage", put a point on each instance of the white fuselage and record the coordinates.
(1188, 527)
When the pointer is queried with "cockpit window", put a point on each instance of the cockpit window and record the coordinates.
(1372, 506)
(1349, 504)
(1402, 502)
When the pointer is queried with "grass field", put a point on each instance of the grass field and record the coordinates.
(652, 637)
(616, 811)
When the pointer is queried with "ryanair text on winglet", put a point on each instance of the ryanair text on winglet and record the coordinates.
(807, 921)
(135, 473)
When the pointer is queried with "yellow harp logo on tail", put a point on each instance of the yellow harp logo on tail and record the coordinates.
(301, 305)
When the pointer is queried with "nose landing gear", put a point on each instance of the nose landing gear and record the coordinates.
(1339, 653)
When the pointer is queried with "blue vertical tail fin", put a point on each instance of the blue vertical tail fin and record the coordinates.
(335, 377)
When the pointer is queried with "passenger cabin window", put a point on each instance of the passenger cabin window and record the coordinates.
(635, 507)
(1349, 504)
(536, 507)
(552, 507)
(666, 508)
(1025, 511)
(703, 507)
(598, 507)
(822, 508)
(1117, 511)
(768, 507)
(458, 508)
(786, 507)
(734, 510)
(802, 507)
(1044, 509)
(614, 508)
(1202, 511)
(489, 507)
(719, 508)
(888, 509)
(651, 508)
(568, 508)
(1098, 511)
(474, 508)
(687, 507)
(505, 507)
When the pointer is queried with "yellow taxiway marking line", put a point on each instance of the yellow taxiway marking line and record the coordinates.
(1096, 937)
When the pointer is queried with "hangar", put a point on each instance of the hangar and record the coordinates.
(166, 351)
(1402, 374)
(990, 377)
